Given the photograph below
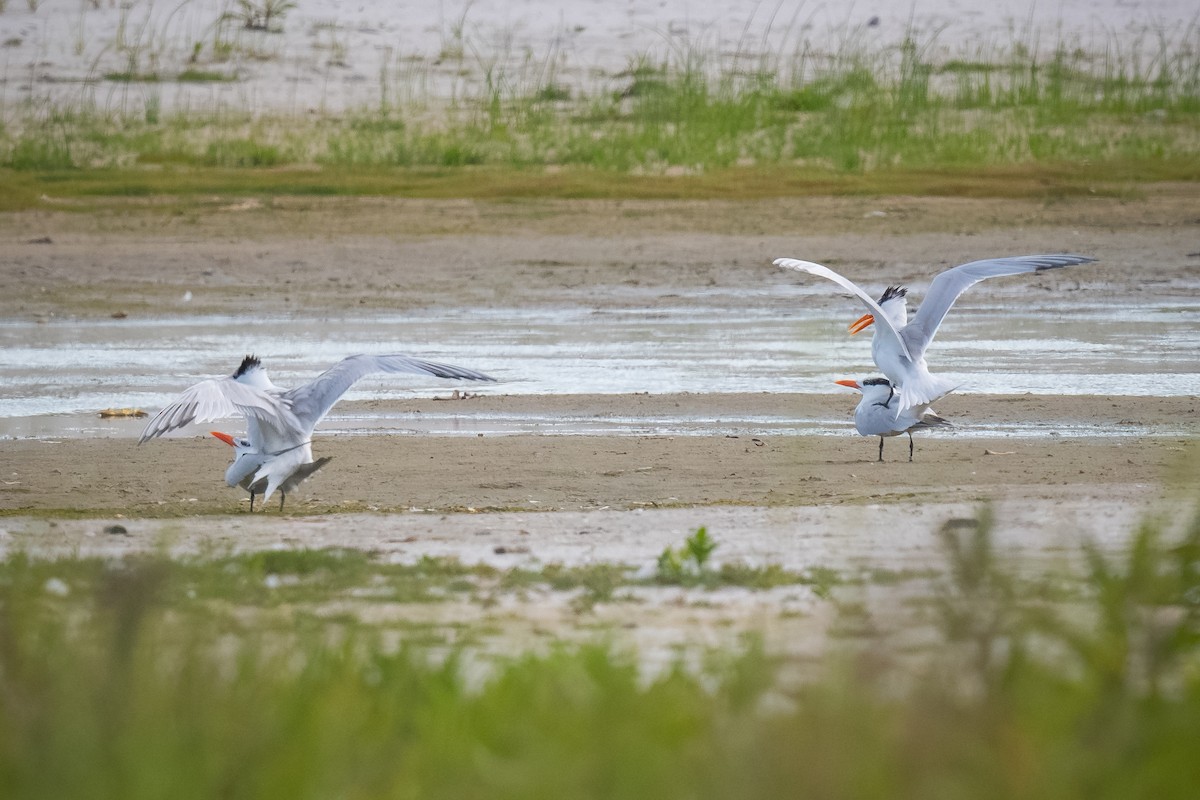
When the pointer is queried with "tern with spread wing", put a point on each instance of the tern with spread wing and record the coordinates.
(879, 413)
(277, 450)
(899, 345)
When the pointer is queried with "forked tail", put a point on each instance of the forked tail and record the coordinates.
(931, 420)
(287, 481)
(305, 472)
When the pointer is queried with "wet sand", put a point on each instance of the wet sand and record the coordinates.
(183, 477)
(310, 257)
(808, 503)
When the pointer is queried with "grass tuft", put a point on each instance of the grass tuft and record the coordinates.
(193, 75)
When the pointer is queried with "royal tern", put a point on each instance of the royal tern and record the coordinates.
(277, 451)
(879, 414)
(248, 459)
(898, 346)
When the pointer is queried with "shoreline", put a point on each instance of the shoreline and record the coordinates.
(454, 413)
(546, 472)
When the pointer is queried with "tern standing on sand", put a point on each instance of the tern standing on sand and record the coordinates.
(277, 450)
(879, 414)
(899, 345)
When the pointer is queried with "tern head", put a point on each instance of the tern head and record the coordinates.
(890, 295)
(251, 373)
(246, 460)
(871, 388)
(249, 363)
(240, 444)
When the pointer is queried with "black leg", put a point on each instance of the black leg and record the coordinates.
(282, 497)
(881, 448)
(251, 501)
(910, 446)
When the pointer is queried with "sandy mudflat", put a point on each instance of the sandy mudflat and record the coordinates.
(303, 256)
(313, 256)
(1088, 468)
(802, 502)
(547, 472)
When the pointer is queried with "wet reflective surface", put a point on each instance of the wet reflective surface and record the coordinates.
(470, 423)
(57, 374)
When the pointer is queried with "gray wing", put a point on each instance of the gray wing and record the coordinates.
(947, 286)
(882, 322)
(312, 401)
(218, 398)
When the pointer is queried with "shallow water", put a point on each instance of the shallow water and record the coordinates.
(64, 426)
(58, 374)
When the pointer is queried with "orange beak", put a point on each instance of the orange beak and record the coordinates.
(848, 384)
(224, 437)
(862, 323)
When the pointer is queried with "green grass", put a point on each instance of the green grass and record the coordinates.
(132, 679)
(132, 77)
(311, 578)
(71, 189)
(204, 76)
(863, 122)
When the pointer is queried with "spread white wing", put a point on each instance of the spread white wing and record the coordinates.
(269, 419)
(310, 403)
(883, 321)
(947, 286)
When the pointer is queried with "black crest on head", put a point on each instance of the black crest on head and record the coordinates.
(891, 293)
(248, 363)
(876, 382)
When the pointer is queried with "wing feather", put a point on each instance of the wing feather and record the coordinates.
(947, 286)
(311, 402)
(217, 398)
(882, 321)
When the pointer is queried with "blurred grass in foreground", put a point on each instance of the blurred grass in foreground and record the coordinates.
(135, 679)
(852, 121)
